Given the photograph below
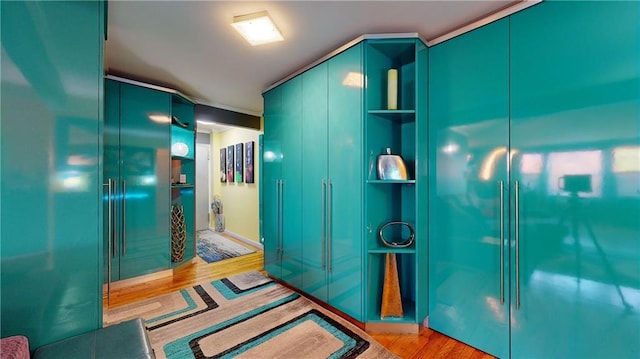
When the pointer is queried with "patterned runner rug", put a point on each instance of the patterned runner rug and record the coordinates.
(245, 316)
(213, 247)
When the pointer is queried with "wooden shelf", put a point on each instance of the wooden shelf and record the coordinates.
(392, 181)
(182, 185)
(399, 116)
(384, 250)
(392, 112)
(174, 157)
(409, 316)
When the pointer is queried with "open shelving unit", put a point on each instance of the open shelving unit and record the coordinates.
(183, 132)
(393, 200)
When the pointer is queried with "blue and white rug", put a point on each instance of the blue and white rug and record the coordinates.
(213, 247)
(246, 316)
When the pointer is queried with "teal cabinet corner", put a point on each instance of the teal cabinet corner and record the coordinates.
(534, 202)
(138, 170)
(50, 160)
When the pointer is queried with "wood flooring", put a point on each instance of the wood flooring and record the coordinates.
(426, 344)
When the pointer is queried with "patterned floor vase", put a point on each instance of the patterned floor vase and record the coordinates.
(178, 233)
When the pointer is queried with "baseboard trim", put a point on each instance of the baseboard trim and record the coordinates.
(394, 328)
(140, 279)
(242, 239)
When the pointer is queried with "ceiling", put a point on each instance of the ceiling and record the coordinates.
(190, 46)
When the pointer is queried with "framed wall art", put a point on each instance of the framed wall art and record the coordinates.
(230, 164)
(223, 164)
(248, 162)
(239, 162)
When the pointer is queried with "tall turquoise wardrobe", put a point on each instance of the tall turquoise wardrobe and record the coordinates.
(534, 141)
(149, 141)
(51, 179)
(323, 202)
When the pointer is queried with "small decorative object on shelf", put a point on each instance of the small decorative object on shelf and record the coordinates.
(391, 305)
(178, 233)
(179, 149)
(175, 121)
(393, 244)
(392, 89)
(391, 167)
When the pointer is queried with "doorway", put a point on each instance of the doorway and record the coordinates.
(203, 170)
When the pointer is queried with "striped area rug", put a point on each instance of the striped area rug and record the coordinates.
(245, 316)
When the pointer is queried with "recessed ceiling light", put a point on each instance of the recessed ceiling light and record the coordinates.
(257, 28)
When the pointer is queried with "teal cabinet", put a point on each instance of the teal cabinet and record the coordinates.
(282, 188)
(468, 143)
(344, 184)
(331, 178)
(575, 180)
(290, 183)
(534, 204)
(314, 181)
(50, 160)
(318, 148)
(271, 175)
(139, 177)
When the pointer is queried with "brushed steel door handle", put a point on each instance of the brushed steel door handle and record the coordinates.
(501, 242)
(329, 238)
(322, 224)
(517, 244)
(124, 217)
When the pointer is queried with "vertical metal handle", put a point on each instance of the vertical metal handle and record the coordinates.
(278, 219)
(329, 193)
(501, 242)
(114, 227)
(109, 237)
(517, 236)
(281, 224)
(322, 224)
(124, 217)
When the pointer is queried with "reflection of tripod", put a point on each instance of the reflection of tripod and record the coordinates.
(579, 217)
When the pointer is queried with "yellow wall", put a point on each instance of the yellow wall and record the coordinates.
(240, 201)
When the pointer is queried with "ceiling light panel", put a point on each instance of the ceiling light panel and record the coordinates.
(257, 28)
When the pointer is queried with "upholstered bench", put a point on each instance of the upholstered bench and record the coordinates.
(15, 347)
(126, 340)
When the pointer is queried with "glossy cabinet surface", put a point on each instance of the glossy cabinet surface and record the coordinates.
(282, 182)
(291, 184)
(51, 183)
(271, 175)
(468, 140)
(314, 181)
(142, 192)
(312, 159)
(575, 150)
(344, 189)
(534, 231)
(111, 173)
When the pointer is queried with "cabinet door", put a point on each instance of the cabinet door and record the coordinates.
(111, 175)
(271, 174)
(345, 205)
(50, 160)
(575, 102)
(291, 181)
(145, 180)
(468, 139)
(314, 181)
